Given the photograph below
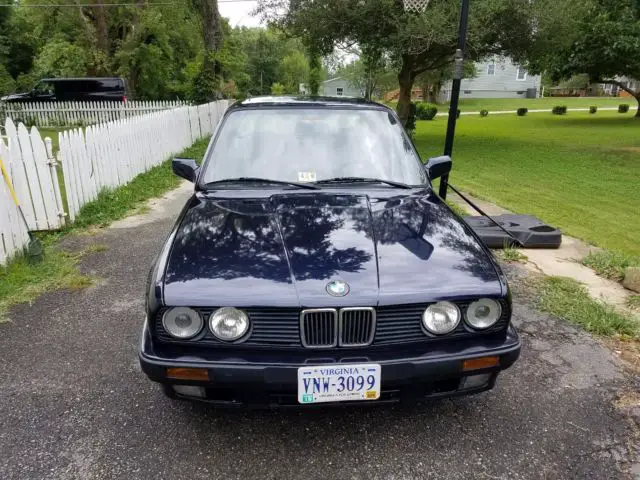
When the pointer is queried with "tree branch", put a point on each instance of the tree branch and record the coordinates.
(618, 83)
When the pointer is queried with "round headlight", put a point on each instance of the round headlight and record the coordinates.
(182, 322)
(441, 318)
(228, 323)
(483, 313)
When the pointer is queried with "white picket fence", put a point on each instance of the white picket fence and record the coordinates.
(111, 154)
(31, 169)
(73, 114)
(102, 156)
(13, 232)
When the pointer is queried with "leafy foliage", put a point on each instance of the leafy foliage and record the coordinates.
(484, 113)
(522, 111)
(415, 43)
(597, 38)
(426, 111)
(559, 110)
(623, 108)
(160, 49)
(277, 89)
(593, 109)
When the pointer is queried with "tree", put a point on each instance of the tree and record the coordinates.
(431, 81)
(603, 43)
(278, 89)
(415, 42)
(207, 84)
(60, 58)
(369, 74)
(294, 70)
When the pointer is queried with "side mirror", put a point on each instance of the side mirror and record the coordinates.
(186, 168)
(438, 166)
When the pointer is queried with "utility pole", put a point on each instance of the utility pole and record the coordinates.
(455, 89)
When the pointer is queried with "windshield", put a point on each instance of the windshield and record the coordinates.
(314, 144)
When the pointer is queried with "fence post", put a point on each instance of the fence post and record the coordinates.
(53, 168)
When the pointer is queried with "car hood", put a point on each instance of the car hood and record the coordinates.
(284, 249)
(14, 97)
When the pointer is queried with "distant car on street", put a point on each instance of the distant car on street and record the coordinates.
(73, 89)
(315, 264)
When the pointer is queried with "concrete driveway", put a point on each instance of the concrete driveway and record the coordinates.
(74, 404)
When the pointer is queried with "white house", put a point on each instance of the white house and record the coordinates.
(497, 78)
(334, 87)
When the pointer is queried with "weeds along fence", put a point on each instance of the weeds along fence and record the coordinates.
(102, 156)
(80, 114)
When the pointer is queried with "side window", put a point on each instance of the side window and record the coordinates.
(44, 88)
(521, 76)
(110, 85)
(339, 91)
(491, 69)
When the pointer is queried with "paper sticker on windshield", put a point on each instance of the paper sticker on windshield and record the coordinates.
(306, 176)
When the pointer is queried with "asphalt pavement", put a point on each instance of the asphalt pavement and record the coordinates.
(75, 405)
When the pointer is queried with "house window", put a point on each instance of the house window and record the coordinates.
(339, 91)
(491, 69)
(521, 76)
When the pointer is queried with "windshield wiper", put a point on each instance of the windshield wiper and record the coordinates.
(261, 180)
(329, 181)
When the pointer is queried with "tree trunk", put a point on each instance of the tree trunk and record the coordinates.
(212, 33)
(425, 89)
(102, 29)
(437, 87)
(405, 80)
(634, 93)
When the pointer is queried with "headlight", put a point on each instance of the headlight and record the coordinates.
(483, 313)
(229, 323)
(441, 318)
(182, 322)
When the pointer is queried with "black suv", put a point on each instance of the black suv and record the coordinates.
(73, 89)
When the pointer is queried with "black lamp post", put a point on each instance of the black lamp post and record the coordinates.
(455, 89)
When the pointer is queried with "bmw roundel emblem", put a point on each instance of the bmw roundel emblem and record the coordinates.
(338, 288)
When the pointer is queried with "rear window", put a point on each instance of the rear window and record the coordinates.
(111, 85)
(90, 85)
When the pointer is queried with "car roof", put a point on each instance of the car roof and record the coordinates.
(307, 101)
(78, 78)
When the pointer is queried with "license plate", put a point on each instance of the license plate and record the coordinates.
(338, 383)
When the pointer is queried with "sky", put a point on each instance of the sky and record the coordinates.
(239, 13)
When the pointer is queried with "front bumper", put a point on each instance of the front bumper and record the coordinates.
(269, 378)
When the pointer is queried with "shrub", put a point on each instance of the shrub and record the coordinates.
(484, 113)
(426, 111)
(593, 109)
(623, 108)
(559, 110)
(522, 111)
(277, 89)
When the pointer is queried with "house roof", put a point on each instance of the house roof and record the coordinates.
(333, 79)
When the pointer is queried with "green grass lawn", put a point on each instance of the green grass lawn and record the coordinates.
(52, 133)
(579, 172)
(502, 104)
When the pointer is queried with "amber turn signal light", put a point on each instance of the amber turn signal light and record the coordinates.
(188, 373)
(479, 363)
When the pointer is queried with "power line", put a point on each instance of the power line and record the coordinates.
(75, 5)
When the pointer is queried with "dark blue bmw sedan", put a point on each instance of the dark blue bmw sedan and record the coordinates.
(314, 264)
